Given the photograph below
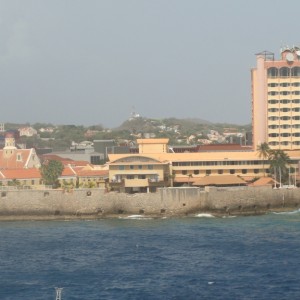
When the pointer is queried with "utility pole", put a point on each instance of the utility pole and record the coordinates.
(58, 293)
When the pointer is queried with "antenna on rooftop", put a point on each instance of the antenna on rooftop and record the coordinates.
(58, 293)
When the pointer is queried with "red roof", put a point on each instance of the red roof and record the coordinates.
(68, 171)
(223, 147)
(92, 173)
(20, 174)
(65, 161)
(17, 160)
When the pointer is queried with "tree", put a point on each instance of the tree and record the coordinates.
(278, 164)
(263, 152)
(50, 171)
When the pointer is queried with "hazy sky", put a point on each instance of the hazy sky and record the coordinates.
(94, 61)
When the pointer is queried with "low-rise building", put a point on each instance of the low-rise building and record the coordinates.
(130, 172)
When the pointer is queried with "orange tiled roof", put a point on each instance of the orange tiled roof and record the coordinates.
(12, 162)
(263, 181)
(65, 161)
(20, 173)
(54, 157)
(68, 171)
(219, 180)
(93, 173)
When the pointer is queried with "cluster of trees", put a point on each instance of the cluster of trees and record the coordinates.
(51, 171)
(278, 162)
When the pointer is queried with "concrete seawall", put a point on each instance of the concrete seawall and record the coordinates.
(96, 203)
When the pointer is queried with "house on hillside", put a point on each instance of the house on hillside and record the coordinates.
(27, 131)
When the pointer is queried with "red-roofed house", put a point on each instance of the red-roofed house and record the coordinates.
(13, 158)
(27, 177)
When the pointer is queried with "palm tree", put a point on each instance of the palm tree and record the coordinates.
(190, 176)
(263, 152)
(278, 164)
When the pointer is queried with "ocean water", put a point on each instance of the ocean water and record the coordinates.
(197, 257)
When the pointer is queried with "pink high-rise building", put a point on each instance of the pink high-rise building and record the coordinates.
(276, 100)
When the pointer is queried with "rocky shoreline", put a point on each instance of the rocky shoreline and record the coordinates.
(206, 213)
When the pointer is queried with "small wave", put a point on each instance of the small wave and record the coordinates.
(287, 212)
(204, 216)
(228, 217)
(135, 217)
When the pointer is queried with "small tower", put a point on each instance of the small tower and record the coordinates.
(58, 293)
(10, 145)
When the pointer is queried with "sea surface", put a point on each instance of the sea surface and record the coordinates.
(198, 257)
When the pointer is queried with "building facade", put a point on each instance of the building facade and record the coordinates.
(276, 100)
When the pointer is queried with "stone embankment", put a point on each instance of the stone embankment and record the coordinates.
(96, 203)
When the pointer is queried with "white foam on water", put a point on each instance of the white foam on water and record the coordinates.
(287, 212)
(204, 216)
(211, 282)
(135, 217)
(228, 217)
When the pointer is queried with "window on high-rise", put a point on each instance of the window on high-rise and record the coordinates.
(295, 72)
(273, 101)
(272, 93)
(272, 84)
(272, 72)
(285, 93)
(284, 101)
(285, 84)
(285, 109)
(284, 72)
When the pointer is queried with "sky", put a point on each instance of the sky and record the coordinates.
(89, 62)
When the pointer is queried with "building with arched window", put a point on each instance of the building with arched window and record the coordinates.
(276, 100)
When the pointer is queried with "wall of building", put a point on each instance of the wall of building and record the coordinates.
(167, 201)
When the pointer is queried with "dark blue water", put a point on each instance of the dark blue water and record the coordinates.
(189, 258)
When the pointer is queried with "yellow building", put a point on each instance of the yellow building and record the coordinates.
(139, 172)
(276, 100)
